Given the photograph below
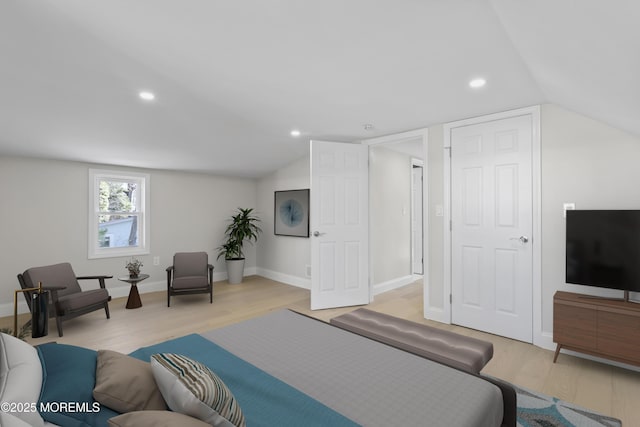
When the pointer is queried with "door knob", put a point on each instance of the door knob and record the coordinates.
(523, 239)
(317, 233)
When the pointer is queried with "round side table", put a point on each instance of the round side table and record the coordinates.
(134, 300)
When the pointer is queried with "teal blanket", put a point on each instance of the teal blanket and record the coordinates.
(264, 399)
(68, 377)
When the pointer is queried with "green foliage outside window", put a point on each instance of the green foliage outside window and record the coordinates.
(116, 197)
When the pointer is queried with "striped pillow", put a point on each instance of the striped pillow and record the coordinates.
(191, 388)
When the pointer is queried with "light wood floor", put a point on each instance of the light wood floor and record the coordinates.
(600, 387)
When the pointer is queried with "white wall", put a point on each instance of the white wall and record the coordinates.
(43, 210)
(389, 214)
(591, 164)
(435, 188)
(286, 258)
(44, 215)
(283, 258)
(582, 161)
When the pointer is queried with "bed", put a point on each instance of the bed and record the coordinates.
(286, 369)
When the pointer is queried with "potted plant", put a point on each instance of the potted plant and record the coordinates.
(133, 265)
(243, 227)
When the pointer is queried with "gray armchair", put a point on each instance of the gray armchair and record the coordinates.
(188, 275)
(71, 301)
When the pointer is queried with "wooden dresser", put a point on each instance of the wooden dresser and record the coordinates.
(597, 326)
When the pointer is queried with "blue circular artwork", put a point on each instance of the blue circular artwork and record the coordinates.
(291, 213)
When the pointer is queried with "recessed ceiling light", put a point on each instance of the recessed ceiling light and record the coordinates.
(295, 133)
(367, 126)
(477, 83)
(147, 96)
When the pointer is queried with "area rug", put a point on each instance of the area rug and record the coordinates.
(538, 410)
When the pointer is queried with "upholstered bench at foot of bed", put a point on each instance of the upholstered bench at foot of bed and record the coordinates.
(455, 350)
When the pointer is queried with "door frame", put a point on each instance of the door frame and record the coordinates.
(417, 163)
(534, 112)
(400, 137)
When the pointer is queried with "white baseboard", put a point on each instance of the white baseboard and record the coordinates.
(544, 340)
(250, 271)
(390, 285)
(299, 282)
(143, 287)
(601, 360)
(115, 291)
(305, 283)
(6, 309)
(436, 314)
(119, 291)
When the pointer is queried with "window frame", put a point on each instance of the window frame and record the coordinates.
(142, 181)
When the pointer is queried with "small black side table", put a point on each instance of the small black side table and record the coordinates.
(38, 301)
(134, 297)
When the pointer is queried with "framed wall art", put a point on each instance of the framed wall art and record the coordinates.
(291, 213)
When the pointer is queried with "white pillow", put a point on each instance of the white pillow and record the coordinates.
(191, 388)
(20, 377)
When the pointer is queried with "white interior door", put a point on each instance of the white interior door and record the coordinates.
(492, 223)
(417, 240)
(339, 225)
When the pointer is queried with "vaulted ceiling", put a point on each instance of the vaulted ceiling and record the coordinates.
(232, 78)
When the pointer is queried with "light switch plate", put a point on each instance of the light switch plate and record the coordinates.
(567, 207)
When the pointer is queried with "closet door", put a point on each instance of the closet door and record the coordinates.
(492, 223)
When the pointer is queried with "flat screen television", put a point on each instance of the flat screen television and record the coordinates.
(603, 249)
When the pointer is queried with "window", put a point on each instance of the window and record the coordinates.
(118, 213)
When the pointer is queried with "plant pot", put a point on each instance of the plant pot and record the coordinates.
(235, 270)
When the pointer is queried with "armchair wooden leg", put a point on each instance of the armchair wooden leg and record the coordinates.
(106, 310)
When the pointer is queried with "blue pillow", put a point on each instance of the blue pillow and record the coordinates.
(68, 379)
